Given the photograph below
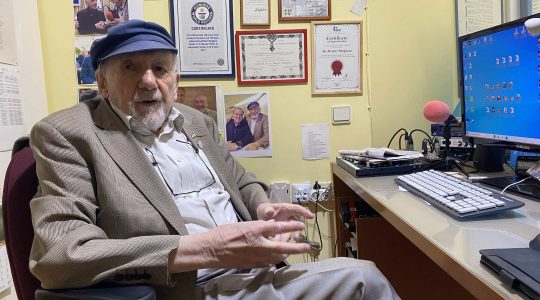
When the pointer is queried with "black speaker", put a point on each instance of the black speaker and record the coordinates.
(489, 158)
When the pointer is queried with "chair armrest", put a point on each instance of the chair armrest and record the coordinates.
(127, 292)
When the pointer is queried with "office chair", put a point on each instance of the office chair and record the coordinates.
(20, 185)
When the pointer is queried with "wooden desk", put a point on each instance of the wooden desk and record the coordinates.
(422, 251)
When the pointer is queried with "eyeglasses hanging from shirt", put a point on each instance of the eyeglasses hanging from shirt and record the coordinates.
(184, 171)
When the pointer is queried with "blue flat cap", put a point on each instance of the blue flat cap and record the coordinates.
(131, 36)
(253, 104)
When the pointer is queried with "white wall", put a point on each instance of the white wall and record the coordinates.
(30, 61)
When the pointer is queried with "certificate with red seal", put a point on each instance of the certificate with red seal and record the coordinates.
(337, 58)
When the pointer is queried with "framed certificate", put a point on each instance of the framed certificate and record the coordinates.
(271, 56)
(203, 33)
(255, 12)
(301, 10)
(336, 57)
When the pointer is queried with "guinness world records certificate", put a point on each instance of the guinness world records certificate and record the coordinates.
(337, 49)
(203, 35)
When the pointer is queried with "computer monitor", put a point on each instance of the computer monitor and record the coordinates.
(500, 86)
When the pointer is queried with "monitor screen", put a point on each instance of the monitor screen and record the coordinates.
(500, 84)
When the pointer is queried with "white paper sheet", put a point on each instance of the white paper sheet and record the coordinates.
(8, 47)
(475, 15)
(358, 7)
(11, 110)
(315, 140)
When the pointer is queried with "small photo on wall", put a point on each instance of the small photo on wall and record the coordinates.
(247, 124)
(206, 99)
(97, 16)
(87, 93)
(83, 62)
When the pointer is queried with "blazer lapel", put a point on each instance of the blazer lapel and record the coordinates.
(122, 146)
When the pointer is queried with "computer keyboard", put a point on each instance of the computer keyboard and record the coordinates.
(456, 197)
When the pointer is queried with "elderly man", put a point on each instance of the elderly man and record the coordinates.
(200, 102)
(237, 131)
(136, 189)
(91, 20)
(258, 124)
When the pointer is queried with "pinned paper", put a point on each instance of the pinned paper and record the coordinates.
(359, 7)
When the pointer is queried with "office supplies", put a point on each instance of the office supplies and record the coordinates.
(455, 197)
(518, 268)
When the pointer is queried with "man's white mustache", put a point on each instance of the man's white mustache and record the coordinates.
(153, 97)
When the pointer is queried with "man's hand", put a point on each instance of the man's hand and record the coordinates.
(232, 146)
(253, 146)
(241, 245)
(283, 212)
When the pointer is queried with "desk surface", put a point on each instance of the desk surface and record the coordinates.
(452, 244)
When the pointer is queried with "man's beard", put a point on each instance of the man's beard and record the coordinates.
(153, 117)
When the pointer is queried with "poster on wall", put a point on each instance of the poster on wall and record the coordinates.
(247, 124)
(202, 32)
(98, 16)
(206, 99)
(11, 110)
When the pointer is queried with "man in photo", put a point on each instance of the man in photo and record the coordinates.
(237, 131)
(200, 102)
(85, 68)
(180, 95)
(91, 20)
(118, 13)
(258, 125)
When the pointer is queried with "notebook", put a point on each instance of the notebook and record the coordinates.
(518, 268)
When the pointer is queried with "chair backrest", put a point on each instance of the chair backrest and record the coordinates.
(20, 185)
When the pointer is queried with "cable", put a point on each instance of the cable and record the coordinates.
(428, 136)
(515, 183)
(316, 202)
(393, 136)
(317, 188)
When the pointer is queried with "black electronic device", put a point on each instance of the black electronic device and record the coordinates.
(360, 170)
(518, 268)
(499, 90)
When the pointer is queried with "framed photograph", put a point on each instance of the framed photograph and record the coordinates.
(204, 98)
(97, 17)
(87, 93)
(255, 12)
(271, 56)
(203, 33)
(336, 58)
(247, 123)
(83, 61)
(305, 10)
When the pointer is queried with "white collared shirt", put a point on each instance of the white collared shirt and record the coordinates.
(186, 172)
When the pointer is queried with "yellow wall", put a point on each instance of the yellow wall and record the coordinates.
(411, 60)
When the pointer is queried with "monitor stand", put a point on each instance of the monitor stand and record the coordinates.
(529, 187)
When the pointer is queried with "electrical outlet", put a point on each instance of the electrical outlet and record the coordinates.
(301, 192)
(279, 192)
(318, 195)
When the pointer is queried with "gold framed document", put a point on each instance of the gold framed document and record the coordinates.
(255, 12)
(336, 58)
(304, 10)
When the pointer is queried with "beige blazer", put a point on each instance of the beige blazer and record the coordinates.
(102, 213)
(261, 132)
